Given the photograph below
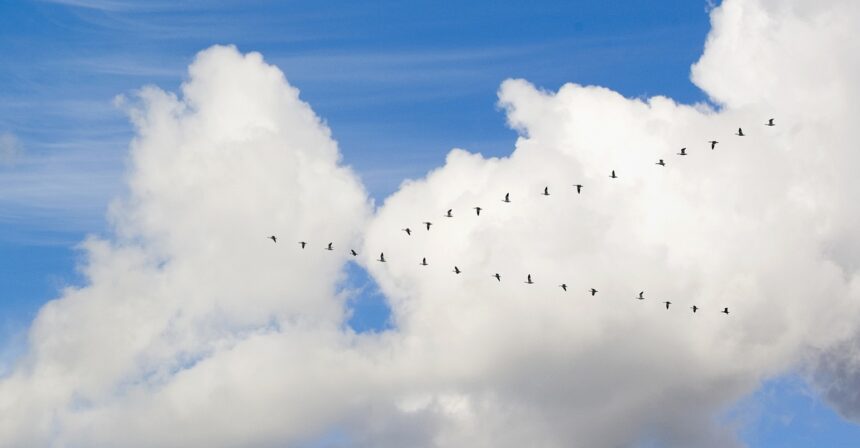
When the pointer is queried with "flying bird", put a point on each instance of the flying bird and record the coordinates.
(273, 238)
(667, 304)
(450, 215)
(641, 295)
(613, 175)
(740, 132)
(507, 198)
(683, 152)
(546, 191)
(770, 122)
(457, 270)
(408, 232)
(303, 244)
(353, 252)
(661, 162)
(578, 188)
(428, 224)
(694, 308)
(529, 279)
(713, 143)
(424, 262)
(497, 276)
(563, 286)
(725, 310)
(329, 247)
(593, 292)
(478, 210)
(381, 257)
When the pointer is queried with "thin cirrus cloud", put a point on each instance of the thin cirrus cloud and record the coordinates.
(195, 330)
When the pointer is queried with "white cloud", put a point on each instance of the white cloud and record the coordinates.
(10, 148)
(196, 331)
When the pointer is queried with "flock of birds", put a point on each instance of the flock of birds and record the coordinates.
(507, 199)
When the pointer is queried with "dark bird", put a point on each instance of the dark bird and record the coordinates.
(694, 308)
(381, 257)
(683, 152)
(303, 244)
(641, 295)
(593, 292)
(667, 304)
(563, 286)
(428, 224)
(546, 191)
(450, 213)
(578, 188)
(725, 310)
(424, 262)
(478, 210)
(497, 276)
(273, 238)
(770, 122)
(507, 198)
(529, 279)
(740, 132)
(713, 143)
(408, 232)
(613, 175)
(353, 252)
(661, 162)
(457, 270)
(329, 247)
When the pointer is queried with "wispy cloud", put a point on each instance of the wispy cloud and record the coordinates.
(10, 148)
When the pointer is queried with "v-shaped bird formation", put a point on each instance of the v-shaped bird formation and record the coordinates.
(507, 199)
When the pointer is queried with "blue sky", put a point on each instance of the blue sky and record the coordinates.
(399, 83)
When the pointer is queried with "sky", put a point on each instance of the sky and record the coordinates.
(140, 146)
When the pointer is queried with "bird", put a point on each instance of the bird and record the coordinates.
(641, 295)
(694, 308)
(353, 252)
(478, 210)
(770, 122)
(381, 257)
(428, 224)
(593, 292)
(449, 214)
(725, 310)
(713, 143)
(507, 198)
(683, 152)
(273, 238)
(740, 132)
(424, 262)
(497, 276)
(546, 191)
(457, 270)
(578, 188)
(613, 175)
(303, 244)
(408, 232)
(529, 279)
(661, 162)
(329, 247)
(667, 304)
(563, 286)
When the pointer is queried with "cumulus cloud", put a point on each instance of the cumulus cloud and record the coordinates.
(194, 330)
(10, 148)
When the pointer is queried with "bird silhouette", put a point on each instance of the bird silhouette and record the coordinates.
(667, 304)
(329, 247)
(694, 308)
(449, 214)
(770, 122)
(641, 295)
(478, 210)
(428, 224)
(563, 286)
(497, 276)
(593, 292)
(740, 132)
(381, 257)
(578, 188)
(353, 252)
(408, 232)
(725, 310)
(507, 198)
(613, 175)
(683, 152)
(661, 162)
(457, 270)
(529, 279)
(546, 191)
(273, 238)
(303, 244)
(424, 262)
(713, 143)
